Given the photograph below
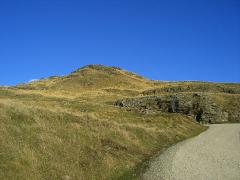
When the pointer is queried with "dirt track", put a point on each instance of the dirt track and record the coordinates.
(213, 155)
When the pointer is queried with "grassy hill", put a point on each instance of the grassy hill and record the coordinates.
(68, 127)
(89, 78)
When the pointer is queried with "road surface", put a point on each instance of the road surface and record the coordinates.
(212, 155)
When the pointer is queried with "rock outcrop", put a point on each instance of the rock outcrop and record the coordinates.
(200, 106)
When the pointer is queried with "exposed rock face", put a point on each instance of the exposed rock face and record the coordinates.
(193, 88)
(197, 105)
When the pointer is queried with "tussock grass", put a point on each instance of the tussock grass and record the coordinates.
(68, 127)
(38, 143)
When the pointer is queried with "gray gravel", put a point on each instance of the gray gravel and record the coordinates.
(213, 155)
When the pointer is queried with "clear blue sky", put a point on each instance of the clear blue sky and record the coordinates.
(159, 39)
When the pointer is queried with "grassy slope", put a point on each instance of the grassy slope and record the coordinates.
(67, 126)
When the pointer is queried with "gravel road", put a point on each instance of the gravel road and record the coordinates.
(213, 155)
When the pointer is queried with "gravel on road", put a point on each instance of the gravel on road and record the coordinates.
(212, 155)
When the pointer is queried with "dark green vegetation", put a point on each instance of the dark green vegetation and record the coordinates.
(69, 127)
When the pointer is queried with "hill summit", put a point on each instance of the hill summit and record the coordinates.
(91, 77)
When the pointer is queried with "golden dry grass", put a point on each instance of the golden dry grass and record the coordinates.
(68, 127)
